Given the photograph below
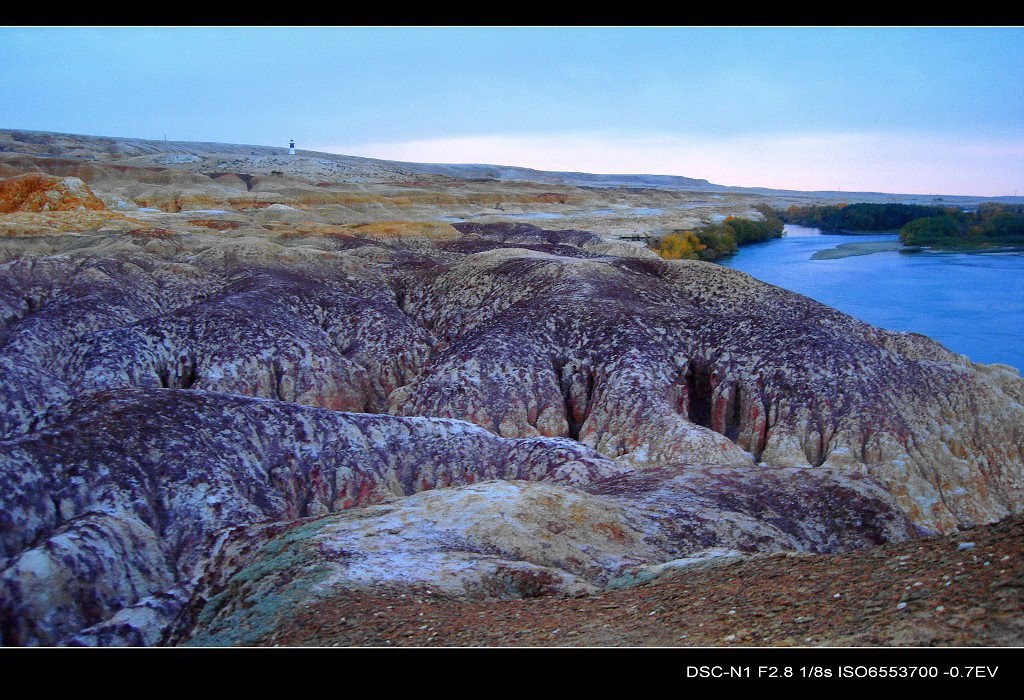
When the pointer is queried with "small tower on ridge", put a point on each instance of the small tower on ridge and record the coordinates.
(291, 147)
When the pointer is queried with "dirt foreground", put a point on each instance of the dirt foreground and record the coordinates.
(965, 589)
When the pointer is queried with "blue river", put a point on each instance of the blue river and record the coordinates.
(971, 303)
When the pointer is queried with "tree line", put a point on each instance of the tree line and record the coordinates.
(858, 217)
(718, 240)
(992, 224)
(1000, 225)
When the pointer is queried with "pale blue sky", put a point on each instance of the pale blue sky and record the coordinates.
(912, 110)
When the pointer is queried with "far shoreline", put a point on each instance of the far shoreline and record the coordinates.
(846, 250)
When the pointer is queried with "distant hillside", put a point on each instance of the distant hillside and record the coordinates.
(202, 156)
(180, 153)
(509, 172)
(187, 155)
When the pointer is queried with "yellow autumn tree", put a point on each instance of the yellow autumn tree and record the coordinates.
(683, 245)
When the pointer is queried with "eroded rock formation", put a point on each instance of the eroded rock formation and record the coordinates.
(35, 192)
(520, 540)
(129, 488)
(197, 421)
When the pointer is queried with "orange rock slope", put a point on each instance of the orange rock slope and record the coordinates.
(36, 192)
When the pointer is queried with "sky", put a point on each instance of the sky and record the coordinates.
(911, 110)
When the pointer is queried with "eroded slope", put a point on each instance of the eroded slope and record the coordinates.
(176, 403)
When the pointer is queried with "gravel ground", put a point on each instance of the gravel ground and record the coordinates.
(959, 590)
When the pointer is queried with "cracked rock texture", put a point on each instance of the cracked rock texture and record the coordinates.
(203, 426)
